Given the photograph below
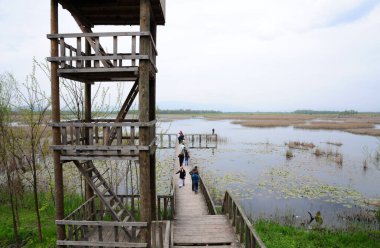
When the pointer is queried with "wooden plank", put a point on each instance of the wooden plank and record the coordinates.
(104, 244)
(79, 51)
(97, 57)
(63, 51)
(99, 70)
(101, 34)
(102, 158)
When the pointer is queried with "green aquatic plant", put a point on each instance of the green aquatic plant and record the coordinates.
(289, 184)
(378, 214)
(289, 154)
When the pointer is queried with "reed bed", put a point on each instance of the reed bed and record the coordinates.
(334, 125)
(300, 145)
(335, 156)
(365, 131)
(334, 143)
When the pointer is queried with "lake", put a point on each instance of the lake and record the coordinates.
(251, 163)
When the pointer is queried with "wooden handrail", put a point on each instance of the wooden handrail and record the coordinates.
(207, 196)
(101, 223)
(103, 124)
(243, 227)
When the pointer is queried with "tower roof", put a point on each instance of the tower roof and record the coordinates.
(112, 12)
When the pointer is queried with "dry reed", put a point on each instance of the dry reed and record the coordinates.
(334, 125)
(300, 145)
(334, 143)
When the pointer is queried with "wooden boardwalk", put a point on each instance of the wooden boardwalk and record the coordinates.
(193, 225)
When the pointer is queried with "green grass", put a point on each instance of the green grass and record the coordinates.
(28, 223)
(275, 235)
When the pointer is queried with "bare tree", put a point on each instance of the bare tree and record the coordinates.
(8, 162)
(34, 107)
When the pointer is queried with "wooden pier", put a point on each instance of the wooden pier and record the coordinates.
(195, 225)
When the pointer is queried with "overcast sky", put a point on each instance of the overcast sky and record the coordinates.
(240, 55)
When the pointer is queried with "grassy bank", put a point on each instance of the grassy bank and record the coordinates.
(28, 224)
(276, 236)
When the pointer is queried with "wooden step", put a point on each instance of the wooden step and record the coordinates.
(105, 190)
(120, 213)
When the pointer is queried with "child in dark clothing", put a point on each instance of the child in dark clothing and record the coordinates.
(187, 156)
(182, 175)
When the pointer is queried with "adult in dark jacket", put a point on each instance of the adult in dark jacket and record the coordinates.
(194, 179)
(181, 157)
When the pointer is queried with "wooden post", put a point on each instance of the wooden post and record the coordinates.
(152, 117)
(89, 192)
(58, 173)
(144, 116)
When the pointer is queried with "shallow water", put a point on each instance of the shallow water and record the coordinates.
(251, 163)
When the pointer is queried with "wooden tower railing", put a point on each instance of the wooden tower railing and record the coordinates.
(119, 65)
(125, 145)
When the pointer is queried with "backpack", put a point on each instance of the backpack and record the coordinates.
(195, 177)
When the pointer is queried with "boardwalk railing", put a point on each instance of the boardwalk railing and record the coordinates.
(161, 234)
(201, 141)
(101, 233)
(125, 144)
(243, 227)
(207, 196)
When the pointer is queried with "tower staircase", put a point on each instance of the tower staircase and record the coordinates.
(105, 193)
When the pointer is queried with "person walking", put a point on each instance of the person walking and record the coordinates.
(182, 176)
(181, 137)
(187, 156)
(194, 179)
(181, 157)
(213, 131)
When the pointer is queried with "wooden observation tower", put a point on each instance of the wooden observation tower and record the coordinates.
(90, 57)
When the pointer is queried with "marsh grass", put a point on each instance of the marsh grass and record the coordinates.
(275, 235)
